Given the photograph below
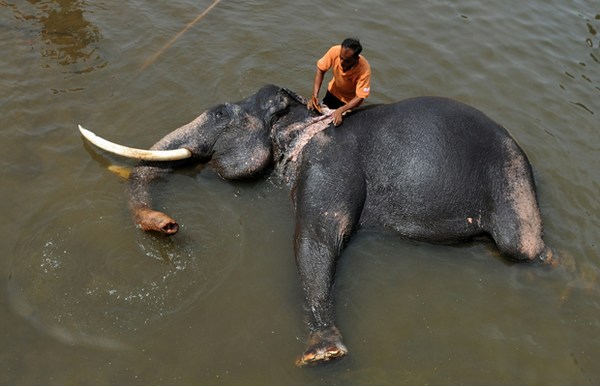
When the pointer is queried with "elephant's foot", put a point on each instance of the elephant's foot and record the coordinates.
(323, 346)
(150, 220)
(548, 257)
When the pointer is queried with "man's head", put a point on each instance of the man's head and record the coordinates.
(351, 49)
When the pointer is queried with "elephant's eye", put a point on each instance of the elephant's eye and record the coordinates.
(221, 111)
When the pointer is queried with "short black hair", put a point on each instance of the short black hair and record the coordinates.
(353, 44)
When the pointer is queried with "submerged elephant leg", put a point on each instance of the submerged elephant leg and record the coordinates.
(316, 266)
(517, 228)
(324, 222)
(323, 345)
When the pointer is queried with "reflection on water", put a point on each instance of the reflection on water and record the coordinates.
(65, 35)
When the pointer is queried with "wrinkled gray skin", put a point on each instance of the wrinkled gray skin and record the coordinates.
(427, 168)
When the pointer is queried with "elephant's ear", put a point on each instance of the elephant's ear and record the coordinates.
(280, 102)
(243, 150)
(298, 98)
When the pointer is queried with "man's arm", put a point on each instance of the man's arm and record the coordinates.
(313, 104)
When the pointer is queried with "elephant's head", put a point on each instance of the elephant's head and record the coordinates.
(235, 138)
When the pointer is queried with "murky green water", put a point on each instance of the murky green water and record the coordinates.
(86, 298)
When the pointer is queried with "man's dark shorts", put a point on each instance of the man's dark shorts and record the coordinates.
(331, 101)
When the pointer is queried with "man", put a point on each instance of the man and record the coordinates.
(351, 81)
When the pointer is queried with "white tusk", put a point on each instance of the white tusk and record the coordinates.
(142, 154)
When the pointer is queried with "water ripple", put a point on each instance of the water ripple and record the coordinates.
(100, 298)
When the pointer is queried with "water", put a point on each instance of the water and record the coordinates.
(89, 299)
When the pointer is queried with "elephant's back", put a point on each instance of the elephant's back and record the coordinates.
(429, 158)
(429, 119)
(429, 132)
(435, 131)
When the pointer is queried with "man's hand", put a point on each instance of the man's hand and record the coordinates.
(313, 104)
(347, 108)
(337, 116)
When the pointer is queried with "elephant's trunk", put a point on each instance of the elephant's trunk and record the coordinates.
(151, 220)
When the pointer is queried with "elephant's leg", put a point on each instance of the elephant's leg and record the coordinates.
(516, 223)
(324, 221)
(517, 231)
(523, 244)
(316, 262)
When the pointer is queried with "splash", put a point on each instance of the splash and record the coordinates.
(84, 282)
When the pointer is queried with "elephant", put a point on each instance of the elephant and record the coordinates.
(427, 168)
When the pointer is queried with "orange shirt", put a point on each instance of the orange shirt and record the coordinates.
(346, 85)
